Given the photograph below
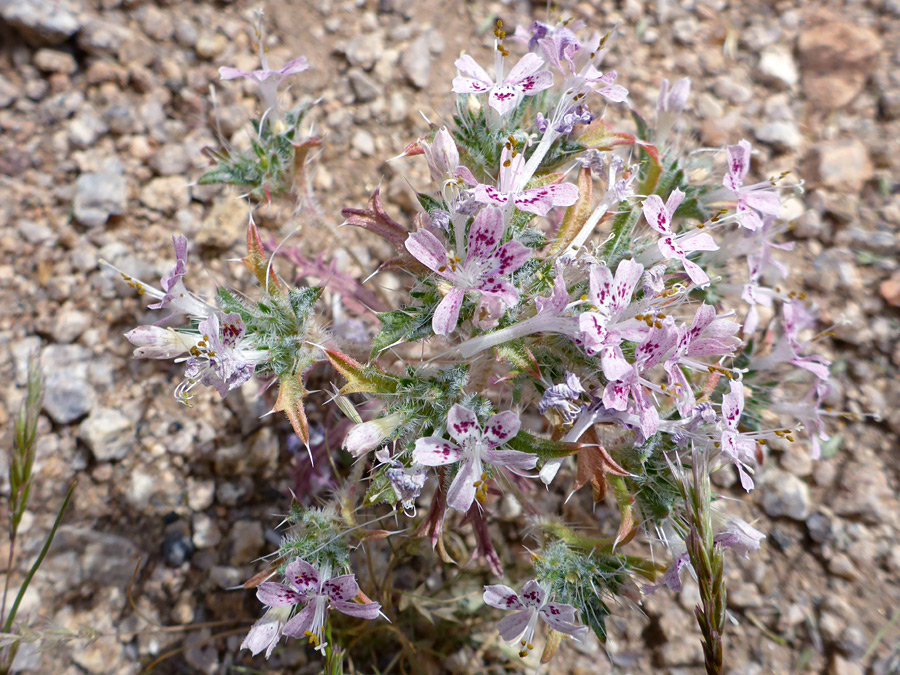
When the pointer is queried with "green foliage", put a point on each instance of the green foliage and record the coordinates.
(316, 536)
(407, 324)
(651, 482)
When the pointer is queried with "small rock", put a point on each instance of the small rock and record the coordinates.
(166, 194)
(84, 556)
(201, 494)
(783, 136)
(210, 45)
(8, 92)
(744, 596)
(171, 160)
(177, 549)
(785, 495)
(141, 488)
(842, 666)
(99, 196)
(777, 68)
(364, 87)
(890, 290)
(842, 165)
(363, 142)
(97, 655)
(225, 577)
(225, 224)
(841, 565)
(69, 324)
(416, 62)
(853, 642)
(86, 127)
(100, 37)
(888, 106)
(35, 233)
(68, 394)
(54, 61)
(820, 527)
(363, 51)
(206, 532)
(246, 541)
(108, 433)
(837, 57)
(41, 21)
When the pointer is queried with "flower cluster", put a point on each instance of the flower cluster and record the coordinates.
(567, 314)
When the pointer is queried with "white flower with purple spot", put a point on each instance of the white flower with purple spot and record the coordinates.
(752, 198)
(486, 263)
(537, 200)
(532, 604)
(475, 446)
(659, 217)
(525, 79)
(266, 80)
(318, 592)
(735, 445)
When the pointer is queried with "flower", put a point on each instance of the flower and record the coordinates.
(477, 446)
(735, 445)
(369, 435)
(218, 360)
(659, 217)
(318, 591)
(525, 79)
(537, 200)
(674, 99)
(561, 398)
(486, 262)
(528, 607)
(267, 80)
(752, 198)
(442, 155)
(740, 538)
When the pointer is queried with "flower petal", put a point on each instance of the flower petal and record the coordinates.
(501, 428)
(527, 65)
(510, 458)
(368, 610)
(699, 242)
(695, 272)
(656, 215)
(264, 634)
(466, 65)
(738, 160)
(278, 595)
(601, 281)
(765, 201)
(485, 234)
(342, 588)
(628, 273)
(504, 98)
(501, 289)
(487, 194)
(462, 424)
(302, 576)
(428, 250)
(446, 314)
(433, 451)
(507, 259)
(462, 490)
(300, 622)
(512, 626)
(502, 597)
(533, 594)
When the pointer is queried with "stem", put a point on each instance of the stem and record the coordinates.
(709, 563)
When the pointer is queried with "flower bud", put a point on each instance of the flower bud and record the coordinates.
(367, 436)
(442, 155)
(154, 342)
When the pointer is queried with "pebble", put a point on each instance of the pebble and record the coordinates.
(210, 45)
(100, 37)
(54, 61)
(890, 290)
(777, 68)
(69, 324)
(108, 433)
(99, 196)
(888, 106)
(820, 527)
(177, 549)
(416, 62)
(206, 532)
(86, 127)
(837, 57)
(363, 51)
(246, 541)
(171, 160)
(68, 394)
(8, 92)
(83, 557)
(225, 224)
(785, 495)
(365, 89)
(363, 142)
(42, 22)
(166, 194)
(842, 165)
(784, 136)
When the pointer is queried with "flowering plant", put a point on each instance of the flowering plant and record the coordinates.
(570, 319)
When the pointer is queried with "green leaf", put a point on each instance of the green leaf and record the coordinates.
(303, 300)
(542, 447)
(405, 324)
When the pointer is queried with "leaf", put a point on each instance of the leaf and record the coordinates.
(375, 219)
(303, 300)
(543, 447)
(404, 325)
(600, 136)
(380, 490)
(594, 463)
(301, 152)
(520, 356)
(361, 379)
(625, 500)
(576, 215)
(256, 261)
(291, 393)
(554, 639)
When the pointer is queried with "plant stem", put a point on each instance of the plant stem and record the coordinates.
(709, 563)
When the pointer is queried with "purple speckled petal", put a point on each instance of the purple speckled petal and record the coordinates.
(368, 610)
(533, 595)
(301, 622)
(428, 250)
(302, 576)
(501, 428)
(656, 215)
(512, 626)
(738, 161)
(446, 314)
(462, 424)
(502, 597)
(485, 234)
(278, 595)
(462, 491)
(433, 451)
(342, 588)
(504, 98)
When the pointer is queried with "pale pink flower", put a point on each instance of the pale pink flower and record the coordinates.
(476, 446)
(266, 79)
(525, 79)
(752, 198)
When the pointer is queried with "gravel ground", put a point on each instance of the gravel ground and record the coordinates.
(104, 109)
